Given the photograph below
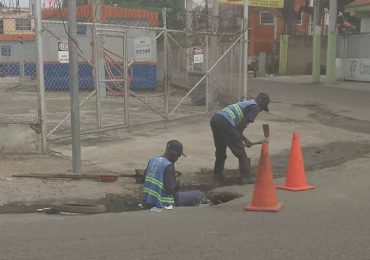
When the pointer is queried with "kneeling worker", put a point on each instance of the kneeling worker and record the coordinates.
(160, 186)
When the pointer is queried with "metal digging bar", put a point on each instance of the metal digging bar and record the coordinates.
(206, 75)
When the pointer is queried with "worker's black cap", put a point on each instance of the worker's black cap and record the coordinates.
(263, 100)
(175, 146)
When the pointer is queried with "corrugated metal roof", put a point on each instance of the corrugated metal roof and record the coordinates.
(17, 37)
(107, 12)
(359, 3)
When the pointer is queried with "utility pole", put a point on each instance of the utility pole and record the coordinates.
(40, 77)
(245, 51)
(332, 43)
(316, 61)
(74, 86)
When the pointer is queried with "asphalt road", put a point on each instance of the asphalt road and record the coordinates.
(350, 97)
(330, 222)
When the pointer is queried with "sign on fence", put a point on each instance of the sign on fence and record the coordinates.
(261, 3)
(198, 55)
(143, 49)
(63, 54)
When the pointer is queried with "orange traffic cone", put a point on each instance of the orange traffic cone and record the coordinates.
(264, 195)
(295, 179)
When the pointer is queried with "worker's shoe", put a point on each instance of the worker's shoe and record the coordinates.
(245, 171)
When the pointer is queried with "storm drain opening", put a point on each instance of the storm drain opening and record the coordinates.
(112, 203)
(221, 197)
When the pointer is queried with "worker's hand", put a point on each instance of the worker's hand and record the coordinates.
(248, 143)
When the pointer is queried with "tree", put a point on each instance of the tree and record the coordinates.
(175, 9)
(174, 5)
(290, 14)
(78, 2)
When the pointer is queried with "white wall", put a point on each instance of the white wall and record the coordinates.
(365, 24)
(353, 69)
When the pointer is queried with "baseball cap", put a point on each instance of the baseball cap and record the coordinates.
(175, 146)
(263, 101)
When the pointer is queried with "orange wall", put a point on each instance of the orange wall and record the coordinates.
(262, 36)
(303, 29)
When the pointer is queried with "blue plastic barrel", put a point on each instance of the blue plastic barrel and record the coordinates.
(143, 77)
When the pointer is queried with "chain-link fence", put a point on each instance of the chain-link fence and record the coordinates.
(56, 76)
(133, 72)
(17, 48)
(135, 67)
(18, 98)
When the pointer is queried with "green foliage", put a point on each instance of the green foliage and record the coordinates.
(289, 14)
(175, 5)
(78, 2)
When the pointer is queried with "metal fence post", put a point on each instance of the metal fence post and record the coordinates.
(209, 98)
(344, 56)
(21, 64)
(95, 43)
(316, 60)
(74, 86)
(40, 78)
(126, 84)
(241, 63)
(166, 72)
(245, 47)
(332, 43)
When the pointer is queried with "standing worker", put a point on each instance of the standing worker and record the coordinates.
(228, 125)
(161, 189)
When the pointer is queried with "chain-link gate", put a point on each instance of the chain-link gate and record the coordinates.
(131, 79)
(56, 77)
(205, 70)
(134, 74)
(205, 65)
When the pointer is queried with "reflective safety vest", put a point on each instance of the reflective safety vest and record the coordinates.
(234, 113)
(154, 192)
